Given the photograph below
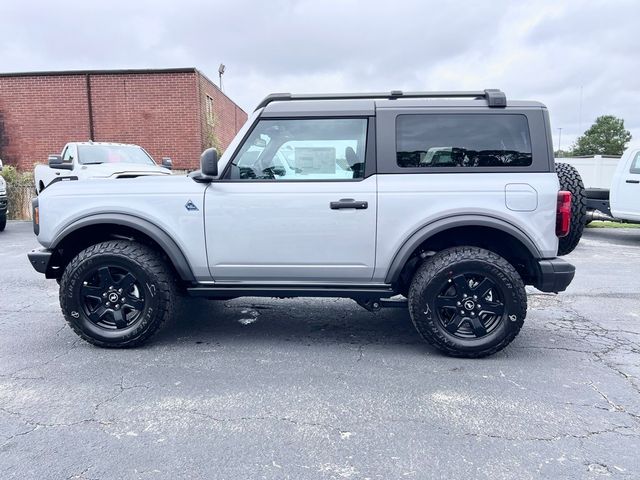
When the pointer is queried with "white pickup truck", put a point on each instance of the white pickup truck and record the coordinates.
(612, 184)
(83, 160)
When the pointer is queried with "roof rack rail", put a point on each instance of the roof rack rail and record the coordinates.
(495, 97)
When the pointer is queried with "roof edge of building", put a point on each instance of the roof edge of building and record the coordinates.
(54, 73)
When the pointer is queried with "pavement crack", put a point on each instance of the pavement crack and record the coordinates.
(47, 362)
(122, 388)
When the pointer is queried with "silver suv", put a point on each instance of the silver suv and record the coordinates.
(449, 199)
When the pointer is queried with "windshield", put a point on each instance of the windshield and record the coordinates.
(92, 154)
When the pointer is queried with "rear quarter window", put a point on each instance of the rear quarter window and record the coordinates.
(463, 141)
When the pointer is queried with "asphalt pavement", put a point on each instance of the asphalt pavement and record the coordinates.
(323, 389)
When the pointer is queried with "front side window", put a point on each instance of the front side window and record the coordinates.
(463, 140)
(635, 165)
(303, 149)
(68, 154)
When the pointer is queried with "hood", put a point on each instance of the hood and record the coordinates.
(104, 170)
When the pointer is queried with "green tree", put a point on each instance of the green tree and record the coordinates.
(607, 136)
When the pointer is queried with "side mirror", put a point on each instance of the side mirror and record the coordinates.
(0, 165)
(167, 163)
(55, 161)
(209, 162)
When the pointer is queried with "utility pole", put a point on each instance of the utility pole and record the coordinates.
(580, 111)
(559, 139)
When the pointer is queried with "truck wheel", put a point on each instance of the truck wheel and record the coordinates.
(571, 181)
(467, 302)
(3, 222)
(117, 293)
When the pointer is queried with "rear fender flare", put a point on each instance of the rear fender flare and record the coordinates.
(427, 231)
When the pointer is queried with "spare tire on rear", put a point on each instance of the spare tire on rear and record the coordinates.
(571, 181)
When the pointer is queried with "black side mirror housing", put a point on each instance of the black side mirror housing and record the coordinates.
(167, 163)
(209, 162)
(55, 161)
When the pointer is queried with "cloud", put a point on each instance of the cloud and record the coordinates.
(545, 50)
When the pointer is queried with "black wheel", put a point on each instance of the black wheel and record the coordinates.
(3, 222)
(467, 302)
(571, 181)
(117, 293)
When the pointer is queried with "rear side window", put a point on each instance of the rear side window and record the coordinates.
(463, 140)
(635, 165)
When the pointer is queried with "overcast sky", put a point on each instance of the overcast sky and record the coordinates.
(541, 50)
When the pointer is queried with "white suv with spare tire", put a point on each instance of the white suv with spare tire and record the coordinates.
(450, 199)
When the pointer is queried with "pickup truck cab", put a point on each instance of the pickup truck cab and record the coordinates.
(625, 187)
(83, 160)
(611, 185)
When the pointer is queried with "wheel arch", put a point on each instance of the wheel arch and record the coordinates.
(100, 227)
(472, 230)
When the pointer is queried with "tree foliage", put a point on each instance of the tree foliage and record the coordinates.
(607, 136)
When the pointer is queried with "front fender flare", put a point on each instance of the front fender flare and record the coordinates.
(157, 234)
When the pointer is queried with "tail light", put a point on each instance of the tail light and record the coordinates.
(563, 214)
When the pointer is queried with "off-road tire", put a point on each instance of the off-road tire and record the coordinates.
(571, 181)
(3, 222)
(155, 281)
(449, 264)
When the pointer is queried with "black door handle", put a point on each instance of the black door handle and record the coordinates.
(633, 181)
(348, 203)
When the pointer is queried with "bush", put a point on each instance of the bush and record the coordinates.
(20, 191)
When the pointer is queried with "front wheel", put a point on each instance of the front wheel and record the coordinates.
(117, 293)
(3, 222)
(467, 302)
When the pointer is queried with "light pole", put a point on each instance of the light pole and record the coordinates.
(220, 73)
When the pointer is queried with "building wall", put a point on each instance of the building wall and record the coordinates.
(156, 111)
(163, 111)
(226, 120)
(38, 115)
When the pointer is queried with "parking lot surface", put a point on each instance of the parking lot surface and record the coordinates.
(321, 388)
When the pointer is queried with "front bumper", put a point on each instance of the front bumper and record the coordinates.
(3, 203)
(554, 275)
(40, 259)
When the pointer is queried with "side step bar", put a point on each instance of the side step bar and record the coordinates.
(355, 292)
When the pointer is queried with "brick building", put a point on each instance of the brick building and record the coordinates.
(170, 112)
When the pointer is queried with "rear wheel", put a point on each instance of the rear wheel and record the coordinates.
(117, 293)
(467, 302)
(571, 181)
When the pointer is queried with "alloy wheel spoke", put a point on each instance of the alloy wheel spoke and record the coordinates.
(462, 286)
(493, 308)
(478, 328)
(90, 291)
(454, 324)
(444, 302)
(105, 277)
(118, 318)
(482, 289)
(134, 302)
(96, 315)
(127, 282)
